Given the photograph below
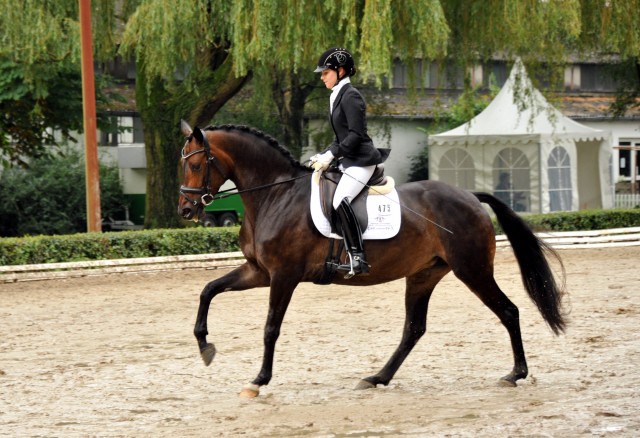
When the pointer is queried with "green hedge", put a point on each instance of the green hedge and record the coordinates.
(201, 240)
(117, 245)
(582, 220)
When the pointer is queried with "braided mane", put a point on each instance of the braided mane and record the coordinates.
(261, 135)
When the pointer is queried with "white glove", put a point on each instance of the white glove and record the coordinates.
(321, 161)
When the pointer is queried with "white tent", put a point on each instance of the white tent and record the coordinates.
(526, 152)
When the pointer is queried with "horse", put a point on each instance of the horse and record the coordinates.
(444, 228)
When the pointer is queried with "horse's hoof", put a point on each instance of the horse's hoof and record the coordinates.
(249, 391)
(364, 384)
(506, 383)
(207, 354)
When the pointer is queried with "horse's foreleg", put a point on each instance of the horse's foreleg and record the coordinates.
(417, 297)
(244, 277)
(282, 287)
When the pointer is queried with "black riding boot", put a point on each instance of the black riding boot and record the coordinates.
(353, 238)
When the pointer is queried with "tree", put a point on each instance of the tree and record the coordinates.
(40, 84)
(192, 57)
(283, 39)
(217, 46)
(184, 71)
(611, 30)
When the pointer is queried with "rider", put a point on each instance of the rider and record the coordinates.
(352, 147)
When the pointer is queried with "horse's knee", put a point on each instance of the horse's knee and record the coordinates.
(208, 293)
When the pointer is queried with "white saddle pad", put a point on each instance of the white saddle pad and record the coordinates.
(383, 211)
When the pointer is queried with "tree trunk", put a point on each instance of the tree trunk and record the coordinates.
(290, 96)
(161, 149)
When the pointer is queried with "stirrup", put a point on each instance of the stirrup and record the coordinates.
(363, 266)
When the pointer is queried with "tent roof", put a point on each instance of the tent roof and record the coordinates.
(520, 110)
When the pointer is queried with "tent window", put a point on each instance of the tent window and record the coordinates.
(559, 165)
(512, 179)
(457, 168)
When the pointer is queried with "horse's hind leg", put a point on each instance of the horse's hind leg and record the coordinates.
(486, 288)
(418, 292)
(245, 277)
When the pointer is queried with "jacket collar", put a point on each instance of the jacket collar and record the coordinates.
(339, 89)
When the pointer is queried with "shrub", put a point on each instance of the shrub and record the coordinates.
(49, 196)
(126, 244)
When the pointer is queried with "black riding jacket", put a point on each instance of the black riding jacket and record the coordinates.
(352, 145)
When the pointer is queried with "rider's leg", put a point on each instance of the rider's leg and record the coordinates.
(353, 238)
(351, 183)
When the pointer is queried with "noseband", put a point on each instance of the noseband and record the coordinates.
(206, 197)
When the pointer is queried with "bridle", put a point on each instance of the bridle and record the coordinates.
(206, 197)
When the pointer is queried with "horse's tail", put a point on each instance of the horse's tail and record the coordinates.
(530, 253)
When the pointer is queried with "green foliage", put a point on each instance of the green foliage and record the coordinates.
(585, 220)
(49, 196)
(581, 220)
(38, 120)
(40, 83)
(117, 245)
(251, 108)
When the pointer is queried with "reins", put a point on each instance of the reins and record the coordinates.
(226, 193)
(206, 197)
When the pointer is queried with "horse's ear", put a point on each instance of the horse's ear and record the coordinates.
(186, 129)
(197, 134)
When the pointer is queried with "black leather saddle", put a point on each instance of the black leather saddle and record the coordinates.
(329, 181)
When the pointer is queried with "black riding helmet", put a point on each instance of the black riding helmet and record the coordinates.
(335, 58)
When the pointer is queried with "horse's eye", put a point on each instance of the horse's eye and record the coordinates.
(195, 167)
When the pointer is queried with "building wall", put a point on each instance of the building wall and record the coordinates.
(621, 130)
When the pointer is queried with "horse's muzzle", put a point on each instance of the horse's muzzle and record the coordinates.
(191, 213)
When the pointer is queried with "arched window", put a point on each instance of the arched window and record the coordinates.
(560, 192)
(512, 179)
(456, 168)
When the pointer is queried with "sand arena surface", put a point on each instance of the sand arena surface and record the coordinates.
(115, 356)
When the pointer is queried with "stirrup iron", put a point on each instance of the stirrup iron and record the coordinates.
(351, 272)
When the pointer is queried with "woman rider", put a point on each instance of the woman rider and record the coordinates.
(352, 147)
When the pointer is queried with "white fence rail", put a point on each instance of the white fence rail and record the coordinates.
(627, 200)
(48, 271)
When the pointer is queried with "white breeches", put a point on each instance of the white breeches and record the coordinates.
(352, 183)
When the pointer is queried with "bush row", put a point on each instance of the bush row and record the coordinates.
(200, 240)
(117, 245)
(581, 220)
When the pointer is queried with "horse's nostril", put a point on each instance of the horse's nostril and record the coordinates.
(186, 212)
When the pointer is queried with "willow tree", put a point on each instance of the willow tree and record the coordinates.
(193, 56)
(611, 30)
(184, 71)
(281, 41)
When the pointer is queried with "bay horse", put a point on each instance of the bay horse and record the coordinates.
(283, 248)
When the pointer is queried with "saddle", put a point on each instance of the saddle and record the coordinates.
(377, 184)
